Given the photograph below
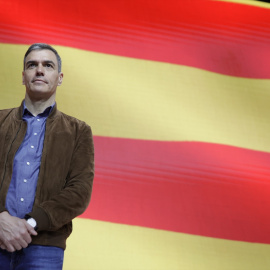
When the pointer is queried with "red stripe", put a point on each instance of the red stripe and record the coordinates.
(190, 187)
(222, 37)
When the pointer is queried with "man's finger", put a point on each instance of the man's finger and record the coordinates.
(30, 229)
(10, 248)
(26, 237)
(23, 244)
(15, 244)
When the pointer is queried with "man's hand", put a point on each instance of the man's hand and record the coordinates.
(15, 233)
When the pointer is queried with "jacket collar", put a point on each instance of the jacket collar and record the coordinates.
(19, 112)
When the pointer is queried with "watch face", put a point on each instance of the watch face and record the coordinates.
(32, 222)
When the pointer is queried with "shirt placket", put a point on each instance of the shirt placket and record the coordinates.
(34, 125)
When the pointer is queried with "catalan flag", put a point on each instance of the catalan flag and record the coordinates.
(178, 96)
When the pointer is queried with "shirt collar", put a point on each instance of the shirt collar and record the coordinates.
(45, 113)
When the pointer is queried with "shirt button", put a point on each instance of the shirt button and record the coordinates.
(28, 163)
(38, 119)
(32, 146)
(35, 133)
(22, 199)
(24, 180)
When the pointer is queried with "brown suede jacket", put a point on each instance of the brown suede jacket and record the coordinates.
(66, 172)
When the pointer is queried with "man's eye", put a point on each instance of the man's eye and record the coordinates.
(49, 65)
(31, 65)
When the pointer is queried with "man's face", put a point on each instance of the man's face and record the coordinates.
(40, 75)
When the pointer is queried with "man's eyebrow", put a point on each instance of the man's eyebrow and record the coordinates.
(45, 62)
(30, 62)
(49, 62)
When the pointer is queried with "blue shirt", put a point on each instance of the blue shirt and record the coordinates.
(21, 194)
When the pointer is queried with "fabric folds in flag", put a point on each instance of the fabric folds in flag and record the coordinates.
(177, 95)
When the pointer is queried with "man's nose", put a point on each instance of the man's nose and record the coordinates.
(40, 69)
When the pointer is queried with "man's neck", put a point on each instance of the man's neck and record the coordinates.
(38, 106)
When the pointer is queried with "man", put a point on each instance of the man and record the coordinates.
(46, 169)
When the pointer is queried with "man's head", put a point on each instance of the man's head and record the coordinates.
(42, 72)
(43, 46)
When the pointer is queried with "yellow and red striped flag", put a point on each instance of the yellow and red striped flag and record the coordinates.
(177, 94)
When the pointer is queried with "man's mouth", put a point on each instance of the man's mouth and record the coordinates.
(39, 80)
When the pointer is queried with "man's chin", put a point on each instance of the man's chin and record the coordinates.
(39, 94)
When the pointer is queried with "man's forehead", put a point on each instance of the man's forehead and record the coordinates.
(42, 54)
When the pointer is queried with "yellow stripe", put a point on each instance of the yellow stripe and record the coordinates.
(100, 245)
(248, 2)
(131, 98)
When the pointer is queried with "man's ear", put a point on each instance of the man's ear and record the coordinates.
(23, 78)
(60, 78)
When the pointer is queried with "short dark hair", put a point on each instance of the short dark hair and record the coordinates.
(43, 46)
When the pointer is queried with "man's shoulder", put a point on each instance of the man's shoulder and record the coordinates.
(71, 120)
(72, 125)
(7, 112)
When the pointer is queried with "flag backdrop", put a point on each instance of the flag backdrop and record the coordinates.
(178, 97)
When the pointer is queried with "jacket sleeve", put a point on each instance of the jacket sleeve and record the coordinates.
(74, 198)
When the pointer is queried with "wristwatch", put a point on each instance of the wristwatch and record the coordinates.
(31, 221)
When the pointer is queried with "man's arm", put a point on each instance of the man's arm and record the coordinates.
(74, 198)
(15, 233)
